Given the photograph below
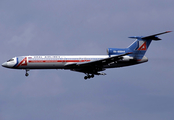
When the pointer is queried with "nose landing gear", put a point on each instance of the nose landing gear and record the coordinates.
(26, 74)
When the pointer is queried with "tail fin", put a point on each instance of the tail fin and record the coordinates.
(141, 44)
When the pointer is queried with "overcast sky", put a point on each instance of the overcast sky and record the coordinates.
(76, 27)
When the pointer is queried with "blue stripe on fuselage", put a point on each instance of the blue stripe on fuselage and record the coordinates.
(16, 62)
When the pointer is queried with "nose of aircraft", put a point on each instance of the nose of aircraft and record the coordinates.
(4, 64)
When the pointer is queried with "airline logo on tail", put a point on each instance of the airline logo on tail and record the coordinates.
(141, 45)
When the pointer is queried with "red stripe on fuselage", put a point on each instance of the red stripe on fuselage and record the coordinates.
(54, 61)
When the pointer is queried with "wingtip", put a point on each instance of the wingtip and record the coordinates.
(168, 31)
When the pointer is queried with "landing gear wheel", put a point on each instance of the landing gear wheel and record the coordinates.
(89, 76)
(26, 74)
(85, 77)
(92, 75)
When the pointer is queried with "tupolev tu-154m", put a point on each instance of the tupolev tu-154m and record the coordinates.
(89, 64)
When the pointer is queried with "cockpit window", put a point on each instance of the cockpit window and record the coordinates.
(10, 60)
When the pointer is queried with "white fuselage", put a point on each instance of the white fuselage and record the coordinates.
(49, 61)
(60, 61)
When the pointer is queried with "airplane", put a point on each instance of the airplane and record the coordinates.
(89, 64)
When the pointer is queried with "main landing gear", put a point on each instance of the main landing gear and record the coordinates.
(89, 76)
(26, 74)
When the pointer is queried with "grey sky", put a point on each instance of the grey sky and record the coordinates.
(86, 27)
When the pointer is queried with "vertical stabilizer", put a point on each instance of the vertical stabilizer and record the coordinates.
(141, 44)
(139, 48)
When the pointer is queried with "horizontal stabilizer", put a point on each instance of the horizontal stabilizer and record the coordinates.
(151, 37)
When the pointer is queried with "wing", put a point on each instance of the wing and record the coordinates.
(94, 67)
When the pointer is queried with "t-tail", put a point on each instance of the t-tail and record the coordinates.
(138, 48)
